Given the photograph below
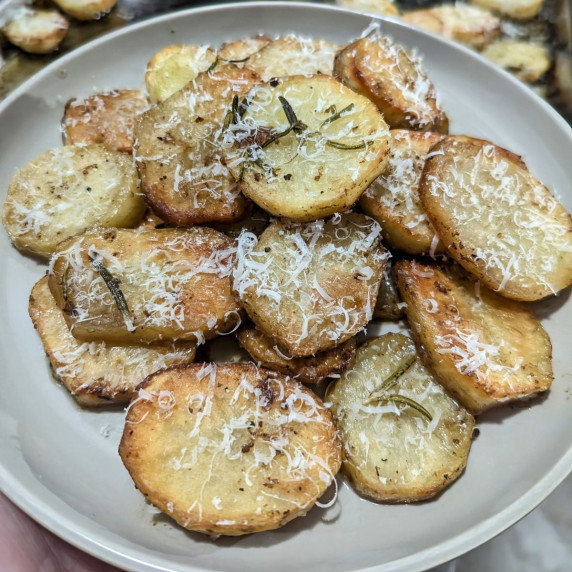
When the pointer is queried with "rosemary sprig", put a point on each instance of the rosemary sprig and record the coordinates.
(411, 403)
(113, 284)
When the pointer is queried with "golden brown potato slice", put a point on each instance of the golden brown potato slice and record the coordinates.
(242, 49)
(93, 372)
(385, 7)
(229, 449)
(404, 439)
(388, 305)
(311, 287)
(306, 147)
(528, 61)
(173, 67)
(496, 219)
(394, 80)
(293, 55)
(486, 350)
(459, 22)
(106, 117)
(86, 9)
(65, 191)
(178, 151)
(516, 9)
(133, 286)
(36, 31)
(393, 198)
(312, 369)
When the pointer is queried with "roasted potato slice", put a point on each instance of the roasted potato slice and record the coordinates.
(496, 219)
(394, 80)
(178, 151)
(293, 55)
(528, 61)
(311, 370)
(106, 117)
(133, 286)
(242, 49)
(385, 7)
(93, 372)
(388, 306)
(310, 287)
(36, 31)
(404, 439)
(516, 9)
(486, 350)
(393, 198)
(65, 191)
(173, 67)
(306, 147)
(469, 25)
(86, 9)
(229, 449)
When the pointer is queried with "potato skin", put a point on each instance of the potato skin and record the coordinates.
(496, 220)
(484, 349)
(310, 370)
(392, 453)
(386, 73)
(64, 191)
(282, 454)
(94, 373)
(178, 151)
(176, 285)
(393, 198)
(106, 117)
(318, 280)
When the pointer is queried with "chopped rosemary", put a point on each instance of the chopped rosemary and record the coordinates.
(219, 59)
(411, 403)
(294, 123)
(65, 283)
(336, 114)
(113, 284)
(338, 145)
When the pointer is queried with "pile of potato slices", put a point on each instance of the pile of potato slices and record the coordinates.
(296, 190)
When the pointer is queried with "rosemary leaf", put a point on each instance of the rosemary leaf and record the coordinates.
(336, 115)
(65, 283)
(389, 382)
(411, 403)
(113, 284)
(338, 145)
(290, 114)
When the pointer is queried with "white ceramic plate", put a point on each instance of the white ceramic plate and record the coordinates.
(59, 463)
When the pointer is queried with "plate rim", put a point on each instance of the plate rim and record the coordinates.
(110, 550)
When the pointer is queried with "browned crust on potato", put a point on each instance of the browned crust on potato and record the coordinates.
(484, 349)
(394, 80)
(107, 117)
(183, 176)
(96, 374)
(311, 370)
(393, 198)
(216, 489)
(176, 285)
(496, 220)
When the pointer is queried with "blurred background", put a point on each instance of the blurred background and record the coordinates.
(529, 38)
